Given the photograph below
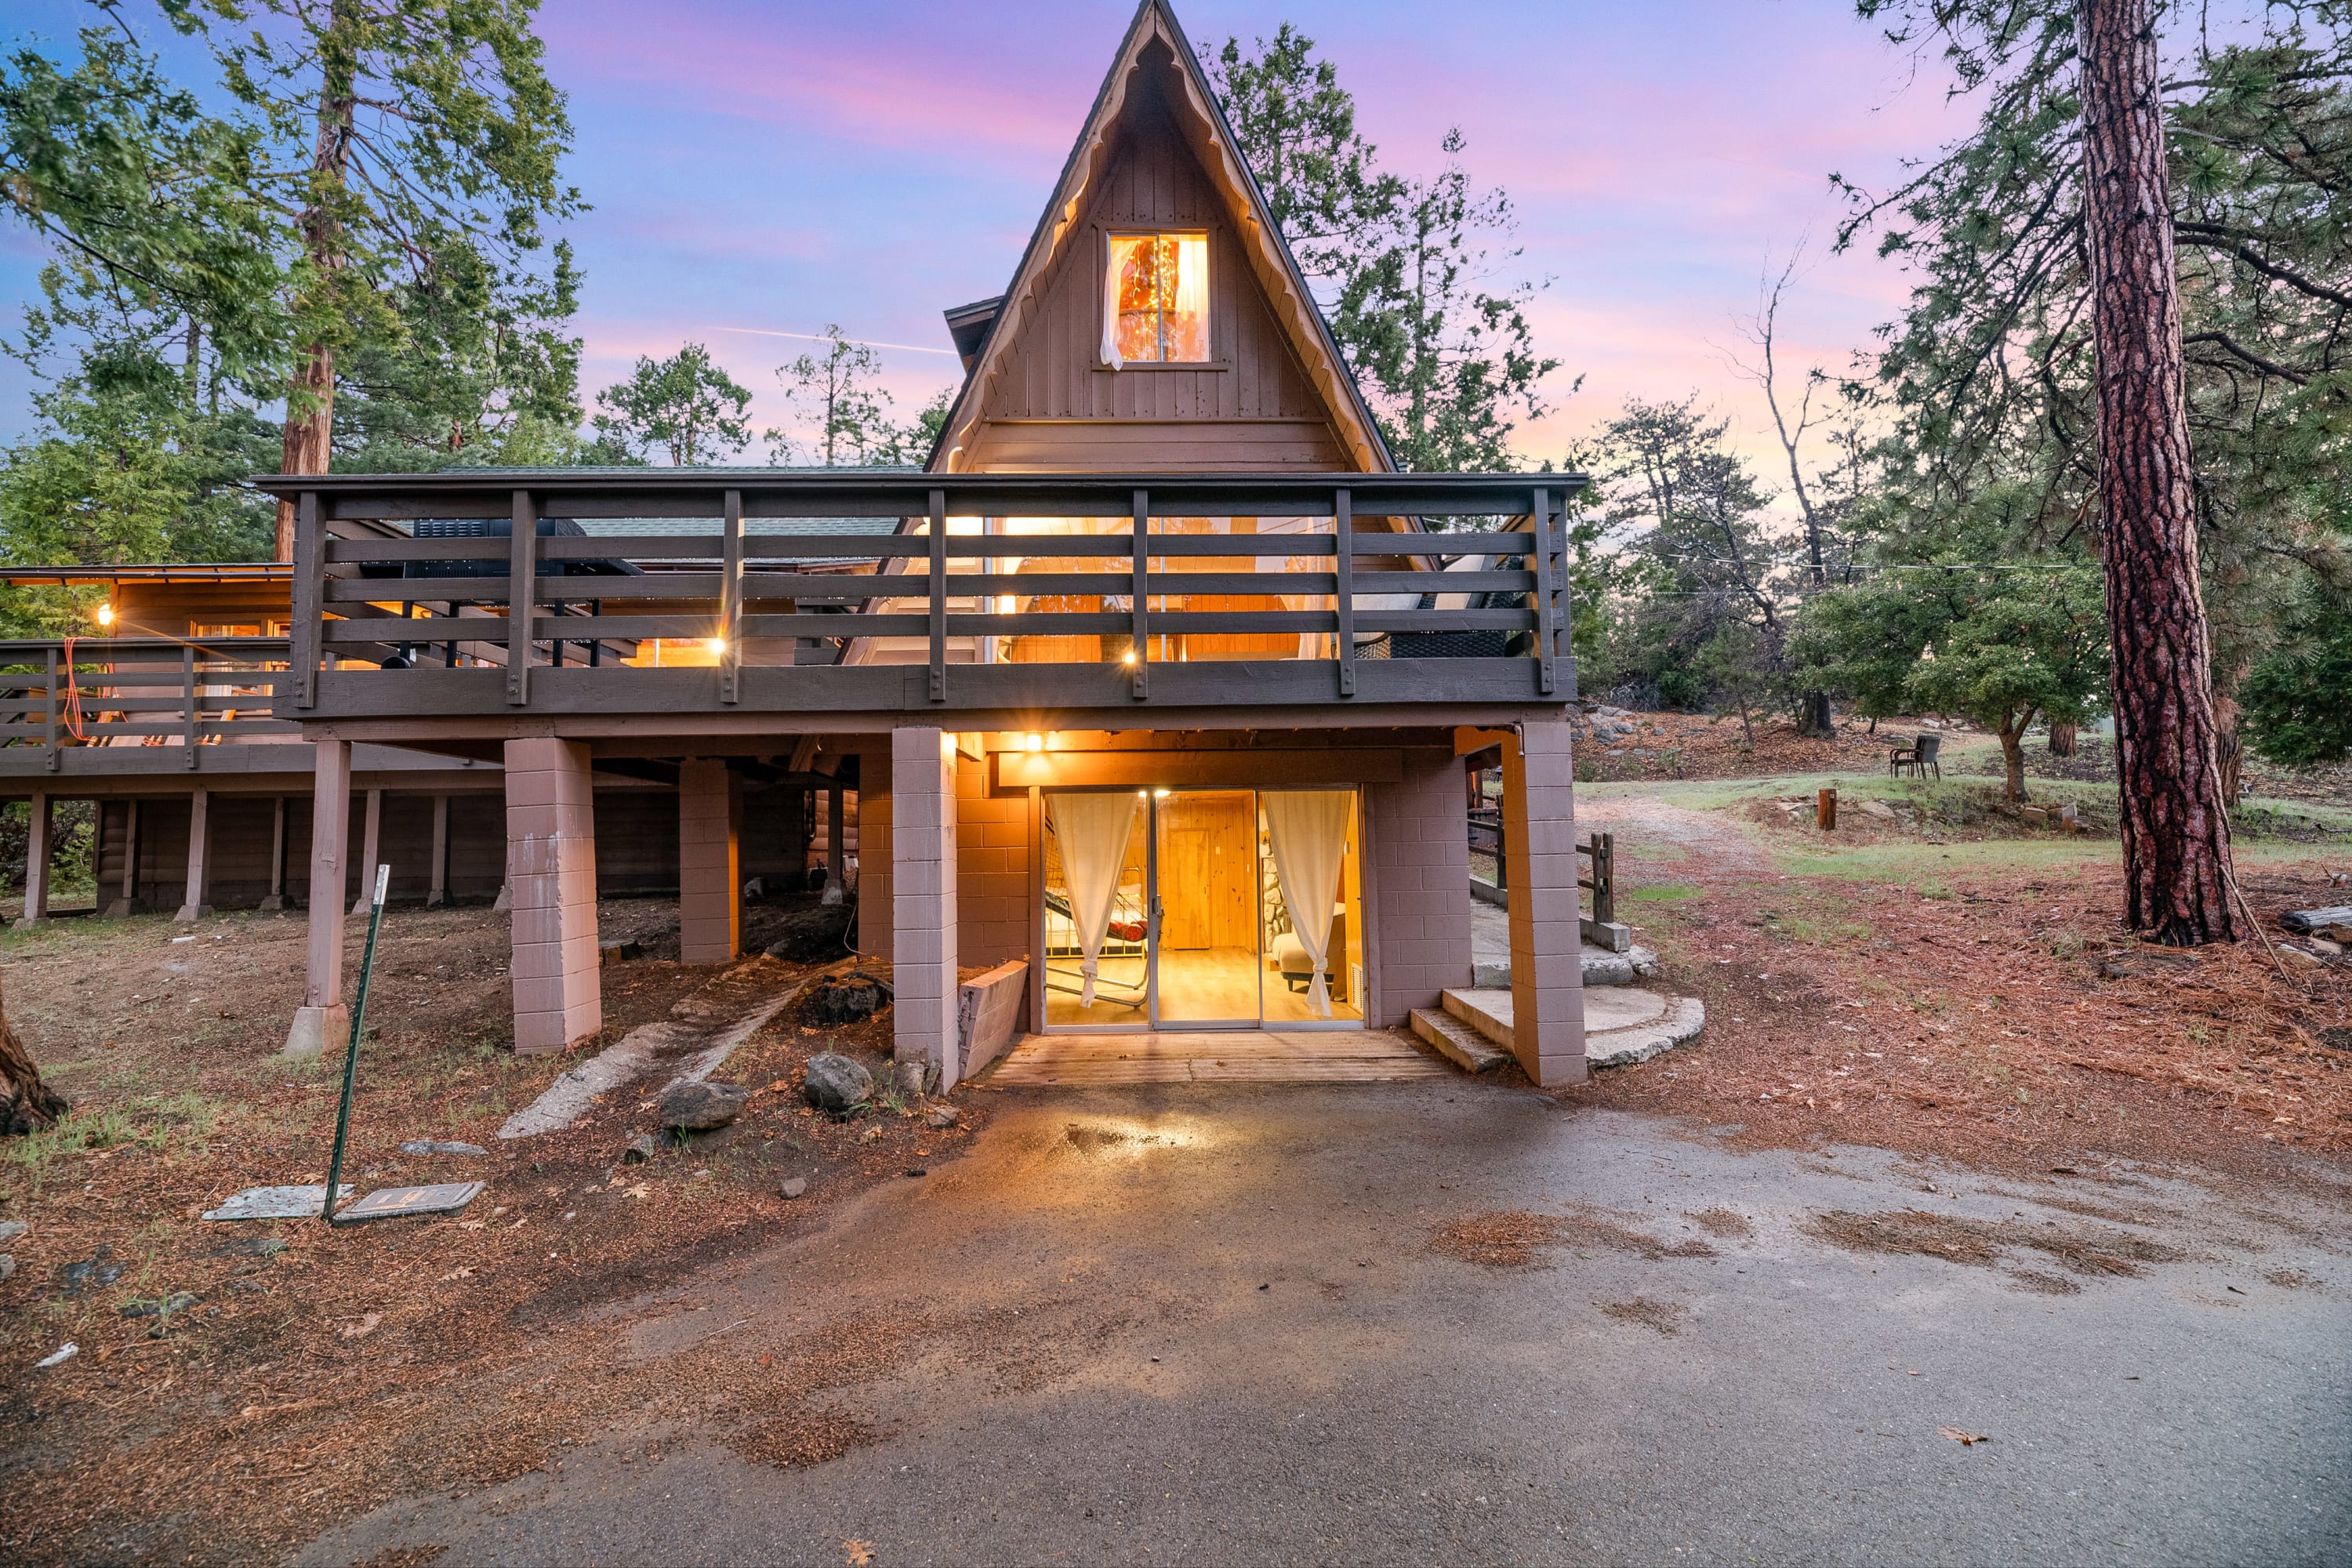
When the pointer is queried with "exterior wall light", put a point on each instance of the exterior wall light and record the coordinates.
(1128, 657)
(718, 646)
(1160, 795)
(106, 615)
(1033, 744)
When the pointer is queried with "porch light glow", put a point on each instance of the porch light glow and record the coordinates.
(1128, 657)
(1160, 795)
(718, 646)
(1032, 742)
(106, 615)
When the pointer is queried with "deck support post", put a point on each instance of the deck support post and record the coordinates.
(276, 899)
(923, 900)
(1546, 949)
(371, 850)
(126, 902)
(322, 1017)
(192, 902)
(709, 863)
(437, 893)
(37, 863)
(835, 891)
(551, 876)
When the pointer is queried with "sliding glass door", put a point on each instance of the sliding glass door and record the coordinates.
(1202, 909)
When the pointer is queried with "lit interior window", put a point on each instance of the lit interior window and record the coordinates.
(1156, 300)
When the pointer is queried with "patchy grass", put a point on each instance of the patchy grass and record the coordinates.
(1665, 893)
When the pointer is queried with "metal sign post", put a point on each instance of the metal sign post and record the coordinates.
(351, 1057)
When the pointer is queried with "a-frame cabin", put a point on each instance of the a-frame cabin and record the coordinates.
(1154, 691)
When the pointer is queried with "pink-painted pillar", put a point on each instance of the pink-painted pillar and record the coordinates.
(552, 868)
(923, 899)
(1547, 940)
(323, 1019)
(710, 883)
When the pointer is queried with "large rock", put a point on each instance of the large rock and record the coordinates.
(837, 1082)
(699, 1107)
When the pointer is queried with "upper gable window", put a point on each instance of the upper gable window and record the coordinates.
(1156, 300)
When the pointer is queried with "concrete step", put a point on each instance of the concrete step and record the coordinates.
(1462, 1046)
(1601, 967)
(1622, 1024)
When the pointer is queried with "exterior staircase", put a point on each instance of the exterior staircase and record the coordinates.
(1622, 1022)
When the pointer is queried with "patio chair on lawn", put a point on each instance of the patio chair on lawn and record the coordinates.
(1917, 759)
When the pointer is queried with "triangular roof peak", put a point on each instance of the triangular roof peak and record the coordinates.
(1153, 40)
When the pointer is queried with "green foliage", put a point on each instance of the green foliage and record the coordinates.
(1686, 518)
(360, 180)
(1987, 372)
(1403, 268)
(836, 395)
(2003, 648)
(685, 407)
(2298, 699)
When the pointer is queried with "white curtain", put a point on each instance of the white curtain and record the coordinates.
(1092, 831)
(1193, 294)
(1120, 250)
(1309, 829)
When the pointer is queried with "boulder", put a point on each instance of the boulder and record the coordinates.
(642, 1148)
(910, 1078)
(699, 1107)
(845, 999)
(943, 1116)
(794, 1186)
(837, 1082)
(427, 1146)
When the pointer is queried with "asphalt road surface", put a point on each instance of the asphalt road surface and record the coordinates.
(1210, 1325)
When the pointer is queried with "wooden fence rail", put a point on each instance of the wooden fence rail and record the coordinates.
(141, 691)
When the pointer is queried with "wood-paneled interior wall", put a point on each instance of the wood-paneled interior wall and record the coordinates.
(1208, 870)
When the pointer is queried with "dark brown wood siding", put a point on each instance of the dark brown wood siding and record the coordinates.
(1253, 408)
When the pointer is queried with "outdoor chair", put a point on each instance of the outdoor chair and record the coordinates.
(1918, 758)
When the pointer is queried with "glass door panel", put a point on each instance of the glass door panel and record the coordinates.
(1208, 921)
(1097, 962)
(1310, 851)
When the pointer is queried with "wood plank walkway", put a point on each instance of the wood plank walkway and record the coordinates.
(1268, 1056)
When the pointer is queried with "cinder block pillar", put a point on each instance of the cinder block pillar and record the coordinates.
(710, 880)
(437, 892)
(36, 864)
(835, 891)
(923, 898)
(192, 902)
(552, 872)
(1547, 946)
(322, 1016)
(276, 899)
(370, 852)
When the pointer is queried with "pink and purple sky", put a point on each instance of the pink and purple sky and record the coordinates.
(772, 167)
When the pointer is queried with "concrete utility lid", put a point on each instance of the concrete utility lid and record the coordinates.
(278, 1202)
(393, 1203)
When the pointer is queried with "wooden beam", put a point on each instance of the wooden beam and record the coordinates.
(1544, 542)
(522, 573)
(730, 600)
(310, 578)
(937, 589)
(1138, 647)
(1343, 523)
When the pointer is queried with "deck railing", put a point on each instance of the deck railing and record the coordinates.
(799, 614)
(141, 691)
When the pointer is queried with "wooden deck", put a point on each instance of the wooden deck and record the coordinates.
(1305, 1055)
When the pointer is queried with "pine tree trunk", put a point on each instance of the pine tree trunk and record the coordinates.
(310, 396)
(1813, 717)
(2061, 740)
(26, 1104)
(2175, 831)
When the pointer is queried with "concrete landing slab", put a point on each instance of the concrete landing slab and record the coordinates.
(1622, 1024)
